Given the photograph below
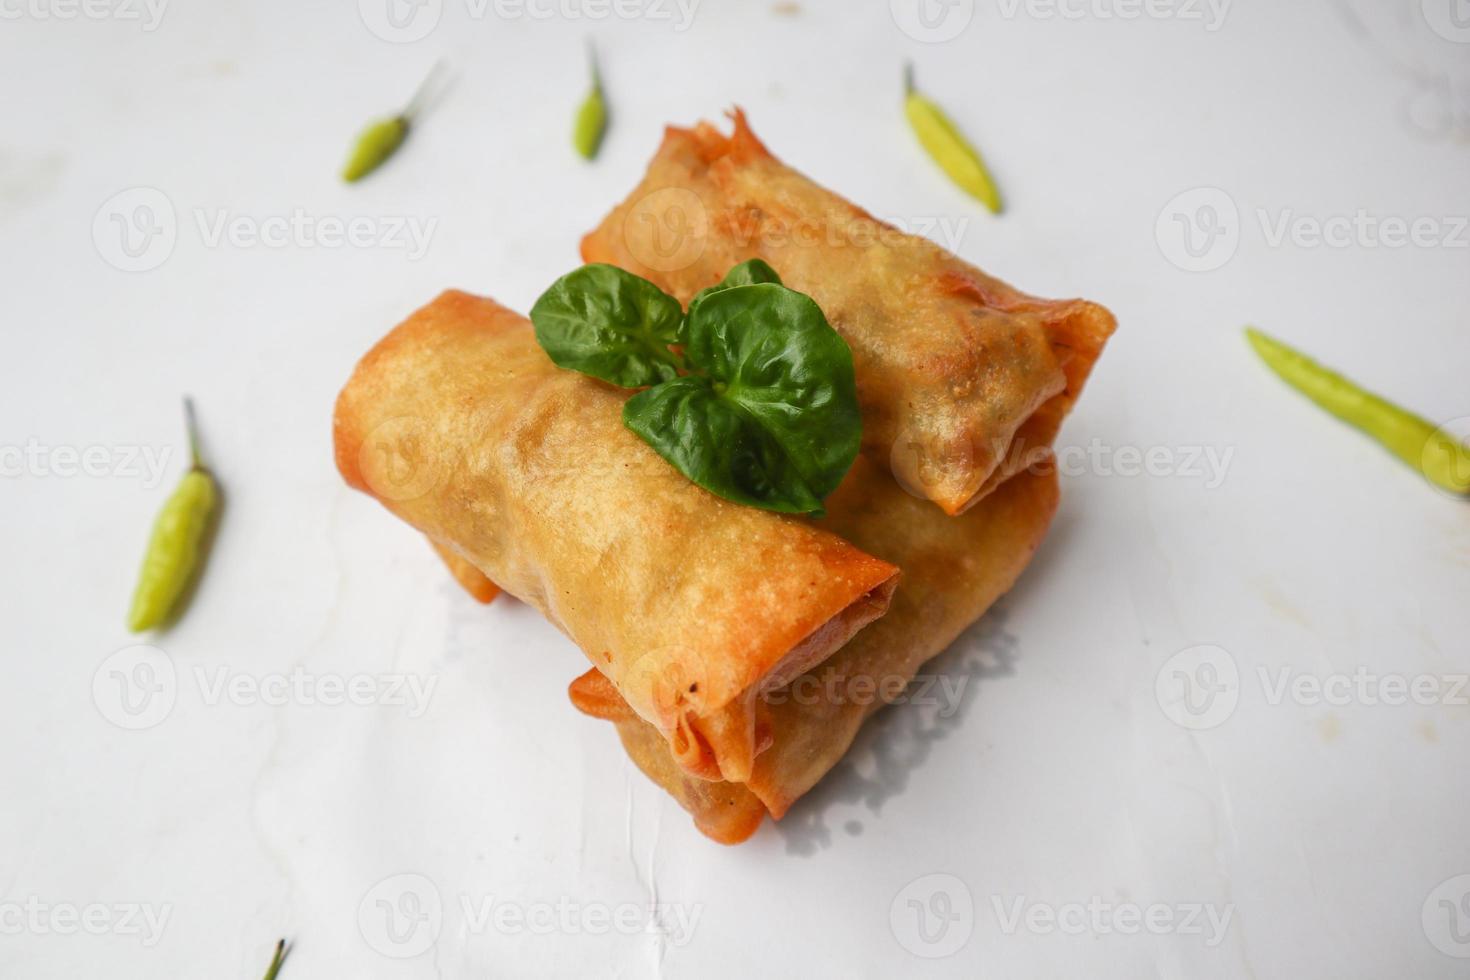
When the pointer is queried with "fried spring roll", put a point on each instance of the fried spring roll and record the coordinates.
(953, 569)
(962, 380)
(474, 581)
(691, 605)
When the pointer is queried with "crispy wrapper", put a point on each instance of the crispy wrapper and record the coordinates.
(962, 379)
(953, 569)
(691, 605)
(474, 581)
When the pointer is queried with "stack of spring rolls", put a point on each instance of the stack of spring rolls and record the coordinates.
(736, 650)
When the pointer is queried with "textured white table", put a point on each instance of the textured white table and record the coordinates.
(1071, 824)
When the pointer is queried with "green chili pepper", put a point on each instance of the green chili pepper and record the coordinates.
(591, 115)
(374, 146)
(276, 961)
(1442, 459)
(948, 146)
(382, 138)
(176, 541)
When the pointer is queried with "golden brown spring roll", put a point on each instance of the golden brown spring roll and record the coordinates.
(474, 581)
(961, 378)
(459, 423)
(953, 569)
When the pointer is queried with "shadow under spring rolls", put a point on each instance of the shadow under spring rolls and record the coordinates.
(953, 570)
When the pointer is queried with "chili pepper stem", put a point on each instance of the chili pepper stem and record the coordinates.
(592, 64)
(277, 960)
(908, 78)
(191, 428)
(416, 103)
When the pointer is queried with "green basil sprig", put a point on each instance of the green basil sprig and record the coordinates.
(750, 394)
(745, 274)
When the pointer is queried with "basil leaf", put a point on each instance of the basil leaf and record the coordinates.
(611, 324)
(716, 445)
(774, 420)
(747, 273)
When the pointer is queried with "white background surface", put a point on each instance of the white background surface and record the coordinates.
(1322, 830)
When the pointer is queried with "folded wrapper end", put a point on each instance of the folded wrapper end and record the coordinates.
(722, 743)
(725, 812)
(474, 581)
(1077, 331)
